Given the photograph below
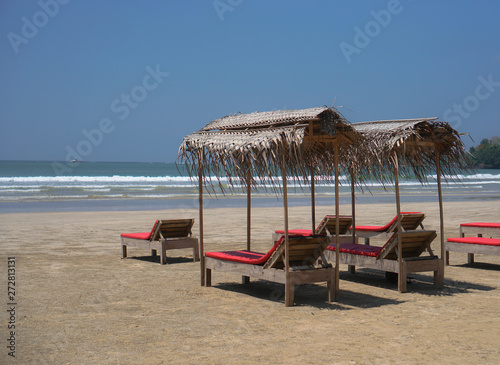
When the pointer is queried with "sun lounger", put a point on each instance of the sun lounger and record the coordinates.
(481, 229)
(304, 253)
(475, 245)
(385, 258)
(165, 235)
(409, 221)
(326, 227)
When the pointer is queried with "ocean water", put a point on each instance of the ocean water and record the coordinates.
(48, 186)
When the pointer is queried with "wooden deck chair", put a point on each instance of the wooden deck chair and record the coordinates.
(409, 221)
(475, 238)
(304, 268)
(385, 258)
(166, 235)
(326, 227)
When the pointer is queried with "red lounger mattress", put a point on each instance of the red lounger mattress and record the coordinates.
(244, 256)
(140, 235)
(481, 224)
(381, 228)
(476, 240)
(357, 249)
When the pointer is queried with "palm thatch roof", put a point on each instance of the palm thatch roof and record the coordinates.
(305, 140)
(416, 143)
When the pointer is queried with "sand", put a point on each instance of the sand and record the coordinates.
(78, 302)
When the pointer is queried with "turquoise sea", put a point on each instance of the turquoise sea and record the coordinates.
(68, 186)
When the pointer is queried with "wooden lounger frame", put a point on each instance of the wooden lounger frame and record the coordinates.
(168, 235)
(327, 226)
(472, 249)
(303, 256)
(409, 222)
(414, 243)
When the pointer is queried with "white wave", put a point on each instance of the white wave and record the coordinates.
(94, 179)
(469, 177)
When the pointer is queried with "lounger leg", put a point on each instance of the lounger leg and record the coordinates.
(330, 285)
(403, 271)
(196, 253)
(245, 279)
(352, 269)
(208, 277)
(470, 256)
(447, 257)
(439, 278)
(163, 253)
(289, 294)
(153, 253)
(124, 251)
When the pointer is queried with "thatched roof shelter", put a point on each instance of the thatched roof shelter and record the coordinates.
(414, 147)
(285, 143)
(307, 142)
(305, 139)
(415, 142)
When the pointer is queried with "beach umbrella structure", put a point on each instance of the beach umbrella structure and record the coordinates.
(271, 147)
(414, 147)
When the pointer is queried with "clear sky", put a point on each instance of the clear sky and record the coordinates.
(123, 80)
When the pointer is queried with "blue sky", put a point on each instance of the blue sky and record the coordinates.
(127, 80)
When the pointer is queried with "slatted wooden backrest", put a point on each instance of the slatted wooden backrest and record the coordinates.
(304, 251)
(328, 225)
(413, 244)
(409, 222)
(173, 228)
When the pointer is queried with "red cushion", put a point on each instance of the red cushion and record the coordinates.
(481, 224)
(357, 249)
(142, 235)
(244, 256)
(296, 232)
(476, 240)
(137, 236)
(382, 228)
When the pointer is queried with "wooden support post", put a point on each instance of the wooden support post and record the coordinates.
(200, 209)
(337, 223)
(289, 289)
(313, 202)
(249, 207)
(353, 205)
(402, 270)
(439, 281)
(352, 268)
(246, 279)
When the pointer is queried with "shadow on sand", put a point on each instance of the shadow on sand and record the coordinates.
(156, 259)
(417, 283)
(307, 295)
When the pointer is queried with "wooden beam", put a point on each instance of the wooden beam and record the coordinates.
(353, 205)
(337, 223)
(289, 290)
(249, 206)
(444, 254)
(313, 202)
(200, 209)
(401, 274)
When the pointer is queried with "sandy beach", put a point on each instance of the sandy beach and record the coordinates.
(78, 302)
